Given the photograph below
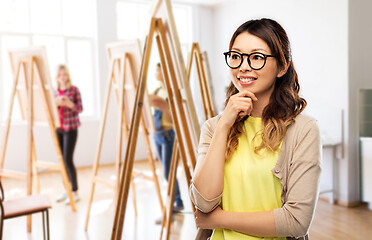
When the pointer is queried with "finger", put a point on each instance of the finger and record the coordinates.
(242, 106)
(241, 100)
(244, 111)
(246, 93)
(244, 100)
(242, 114)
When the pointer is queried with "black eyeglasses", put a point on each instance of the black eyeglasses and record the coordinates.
(256, 60)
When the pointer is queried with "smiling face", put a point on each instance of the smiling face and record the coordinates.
(260, 82)
(63, 78)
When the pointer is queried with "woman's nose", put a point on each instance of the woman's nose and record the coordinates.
(245, 66)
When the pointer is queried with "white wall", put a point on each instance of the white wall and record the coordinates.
(318, 31)
(360, 72)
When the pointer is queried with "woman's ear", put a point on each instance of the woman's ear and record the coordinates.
(283, 71)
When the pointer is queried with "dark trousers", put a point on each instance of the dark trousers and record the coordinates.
(67, 142)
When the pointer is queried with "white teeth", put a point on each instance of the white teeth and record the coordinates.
(246, 79)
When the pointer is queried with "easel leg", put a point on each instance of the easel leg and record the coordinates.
(147, 142)
(164, 52)
(172, 186)
(152, 163)
(189, 62)
(204, 60)
(167, 213)
(134, 196)
(99, 148)
(201, 85)
(122, 127)
(52, 127)
(35, 169)
(30, 138)
(132, 140)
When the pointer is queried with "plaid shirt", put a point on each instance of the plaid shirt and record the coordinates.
(71, 116)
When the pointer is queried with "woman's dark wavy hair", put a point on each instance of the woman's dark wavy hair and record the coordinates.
(285, 103)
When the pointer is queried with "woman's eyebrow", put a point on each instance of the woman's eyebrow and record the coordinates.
(253, 50)
(257, 49)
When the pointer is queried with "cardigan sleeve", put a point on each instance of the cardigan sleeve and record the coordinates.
(200, 202)
(293, 219)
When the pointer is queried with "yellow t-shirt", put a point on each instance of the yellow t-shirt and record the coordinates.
(249, 185)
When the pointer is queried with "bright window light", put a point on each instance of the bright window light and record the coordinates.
(77, 18)
(14, 16)
(65, 28)
(46, 16)
(133, 22)
(79, 57)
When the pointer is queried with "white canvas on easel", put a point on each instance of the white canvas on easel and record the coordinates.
(39, 53)
(118, 50)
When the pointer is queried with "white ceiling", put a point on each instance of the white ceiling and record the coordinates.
(202, 2)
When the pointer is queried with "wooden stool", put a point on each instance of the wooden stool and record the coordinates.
(25, 206)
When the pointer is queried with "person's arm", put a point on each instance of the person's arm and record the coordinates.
(208, 175)
(260, 224)
(159, 103)
(78, 104)
(293, 219)
(295, 216)
(206, 135)
(75, 105)
(209, 171)
(66, 102)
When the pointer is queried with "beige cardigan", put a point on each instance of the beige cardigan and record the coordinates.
(298, 168)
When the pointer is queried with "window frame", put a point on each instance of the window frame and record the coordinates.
(4, 103)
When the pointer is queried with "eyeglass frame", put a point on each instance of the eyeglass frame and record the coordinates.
(249, 61)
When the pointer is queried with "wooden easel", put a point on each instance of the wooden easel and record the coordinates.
(120, 67)
(208, 77)
(29, 67)
(178, 112)
(202, 71)
(163, 9)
